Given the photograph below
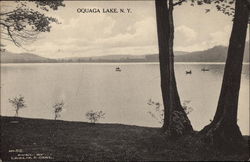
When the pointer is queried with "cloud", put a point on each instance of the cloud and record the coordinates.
(145, 34)
(221, 37)
(194, 47)
(186, 33)
(100, 34)
(77, 37)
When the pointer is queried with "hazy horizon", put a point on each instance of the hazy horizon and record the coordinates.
(184, 52)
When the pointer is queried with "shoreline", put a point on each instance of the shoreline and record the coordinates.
(120, 63)
(59, 140)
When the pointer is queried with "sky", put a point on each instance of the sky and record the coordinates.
(135, 33)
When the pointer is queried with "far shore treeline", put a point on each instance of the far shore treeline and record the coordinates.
(215, 54)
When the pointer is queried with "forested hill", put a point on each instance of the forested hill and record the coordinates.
(215, 54)
(8, 57)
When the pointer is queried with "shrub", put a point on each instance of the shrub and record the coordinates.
(188, 109)
(158, 113)
(18, 103)
(93, 117)
(58, 107)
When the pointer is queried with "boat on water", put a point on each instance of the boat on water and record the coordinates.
(118, 69)
(204, 69)
(189, 72)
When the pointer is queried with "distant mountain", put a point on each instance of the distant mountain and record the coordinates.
(215, 54)
(118, 58)
(247, 52)
(109, 57)
(177, 53)
(8, 57)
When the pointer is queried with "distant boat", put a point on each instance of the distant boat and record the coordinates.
(204, 69)
(118, 69)
(189, 72)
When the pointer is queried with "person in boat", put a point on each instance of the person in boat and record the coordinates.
(204, 69)
(118, 69)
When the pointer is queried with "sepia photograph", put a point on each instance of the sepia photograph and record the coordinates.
(124, 80)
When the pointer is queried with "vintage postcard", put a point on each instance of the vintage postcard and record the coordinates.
(152, 80)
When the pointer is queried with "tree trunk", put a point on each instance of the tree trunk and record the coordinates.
(223, 130)
(176, 122)
(16, 115)
(17, 109)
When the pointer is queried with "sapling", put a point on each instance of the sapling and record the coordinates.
(93, 117)
(58, 107)
(18, 103)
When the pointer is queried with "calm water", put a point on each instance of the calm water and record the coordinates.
(123, 96)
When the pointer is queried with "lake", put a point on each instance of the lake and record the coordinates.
(123, 96)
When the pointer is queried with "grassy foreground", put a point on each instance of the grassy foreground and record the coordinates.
(38, 139)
